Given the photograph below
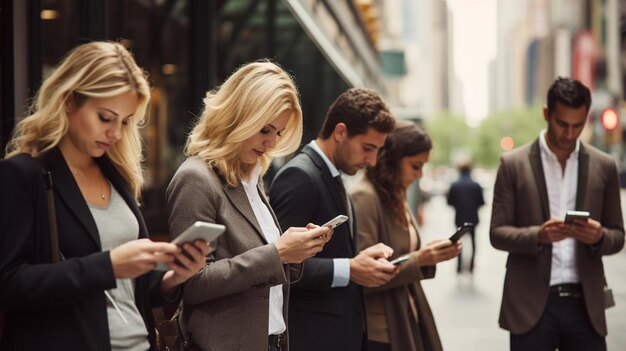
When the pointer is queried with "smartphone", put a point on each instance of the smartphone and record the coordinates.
(571, 215)
(399, 260)
(197, 231)
(335, 222)
(200, 231)
(460, 231)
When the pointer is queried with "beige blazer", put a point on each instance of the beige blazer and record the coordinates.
(407, 332)
(226, 304)
(520, 206)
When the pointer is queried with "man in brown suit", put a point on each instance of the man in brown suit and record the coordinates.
(553, 290)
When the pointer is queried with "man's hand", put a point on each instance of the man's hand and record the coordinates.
(370, 267)
(586, 231)
(551, 231)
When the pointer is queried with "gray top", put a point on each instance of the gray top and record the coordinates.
(116, 226)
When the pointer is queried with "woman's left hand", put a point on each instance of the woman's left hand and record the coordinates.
(187, 263)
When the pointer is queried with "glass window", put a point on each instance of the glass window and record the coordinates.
(59, 32)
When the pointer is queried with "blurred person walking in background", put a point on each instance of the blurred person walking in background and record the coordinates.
(466, 196)
(239, 300)
(83, 135)
(398, 315)
(553, 291)
(326, 310)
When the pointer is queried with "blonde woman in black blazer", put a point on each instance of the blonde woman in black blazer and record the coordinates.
(84, 132)
(239, 300)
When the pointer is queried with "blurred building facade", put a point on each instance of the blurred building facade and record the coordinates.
(539, 40)
(188, 47)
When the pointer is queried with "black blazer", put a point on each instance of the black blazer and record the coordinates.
(59, 306)
(466, 196)
(320, 317)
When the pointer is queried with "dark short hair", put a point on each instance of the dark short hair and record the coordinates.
(358, 109)
(569, 92)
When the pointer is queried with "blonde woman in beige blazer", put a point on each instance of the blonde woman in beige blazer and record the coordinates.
(239, 300)
(398, 314)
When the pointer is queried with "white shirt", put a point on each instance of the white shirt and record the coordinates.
(271, 234)
(341, 266)
(561, 186)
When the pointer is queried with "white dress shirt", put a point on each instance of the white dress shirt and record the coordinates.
(341, 266)
(271, 233)
(561, 185)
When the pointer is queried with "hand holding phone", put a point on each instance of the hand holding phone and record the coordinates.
(197, 231)
(571, 215)
(460, 231)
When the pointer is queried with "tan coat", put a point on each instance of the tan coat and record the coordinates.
(226, 304)
(520, 206)
(406, 332)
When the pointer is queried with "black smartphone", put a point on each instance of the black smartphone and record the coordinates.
(571, 215)
(460, 231)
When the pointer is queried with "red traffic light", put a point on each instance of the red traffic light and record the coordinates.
(610, 119)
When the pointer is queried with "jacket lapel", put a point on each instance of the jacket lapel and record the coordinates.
(534, 157)
(239, 199)
(583, 175)
(330, 182)
(67, 190)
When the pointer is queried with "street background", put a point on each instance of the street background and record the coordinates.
(466, 307)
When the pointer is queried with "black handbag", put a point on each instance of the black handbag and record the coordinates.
(170, 336)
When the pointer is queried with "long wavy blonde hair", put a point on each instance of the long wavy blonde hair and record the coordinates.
(92, 70)
(244, 104)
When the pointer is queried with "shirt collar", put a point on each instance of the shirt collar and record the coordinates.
(545, 149)
(331, 167)
(254, 177)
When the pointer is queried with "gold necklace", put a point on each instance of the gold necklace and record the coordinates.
(76, 171)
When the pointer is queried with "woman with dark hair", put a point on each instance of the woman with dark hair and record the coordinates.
(398, 315)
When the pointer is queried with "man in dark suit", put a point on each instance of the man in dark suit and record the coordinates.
(326, 310)
(553, 291)
(466, 196)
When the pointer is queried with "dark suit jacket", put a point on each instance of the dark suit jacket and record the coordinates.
(226, 304)
(466, 196)
(520, 206)
(59, 306)
(321, 317)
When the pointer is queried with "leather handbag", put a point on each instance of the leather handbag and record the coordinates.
(609, 300)
(170, 336)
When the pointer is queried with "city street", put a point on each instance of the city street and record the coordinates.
(466, 307)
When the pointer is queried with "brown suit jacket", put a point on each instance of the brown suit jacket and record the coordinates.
(520, 206)
(226, 305)
(376, 224)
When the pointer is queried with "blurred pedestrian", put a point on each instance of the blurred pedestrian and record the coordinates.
(97, 290)
(466, 196)
(239, 300)
(553, 291)
(398, 315)
(326, 310)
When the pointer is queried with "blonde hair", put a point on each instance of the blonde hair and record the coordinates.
(92, 70)
(244, 104)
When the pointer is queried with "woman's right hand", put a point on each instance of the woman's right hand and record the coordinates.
(137, 257)
(298, 244)
(437, 251)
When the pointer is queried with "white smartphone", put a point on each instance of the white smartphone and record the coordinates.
(399, 260)
(200, 231)
(335, 222)
(197, 231)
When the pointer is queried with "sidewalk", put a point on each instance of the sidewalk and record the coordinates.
(466, 307)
